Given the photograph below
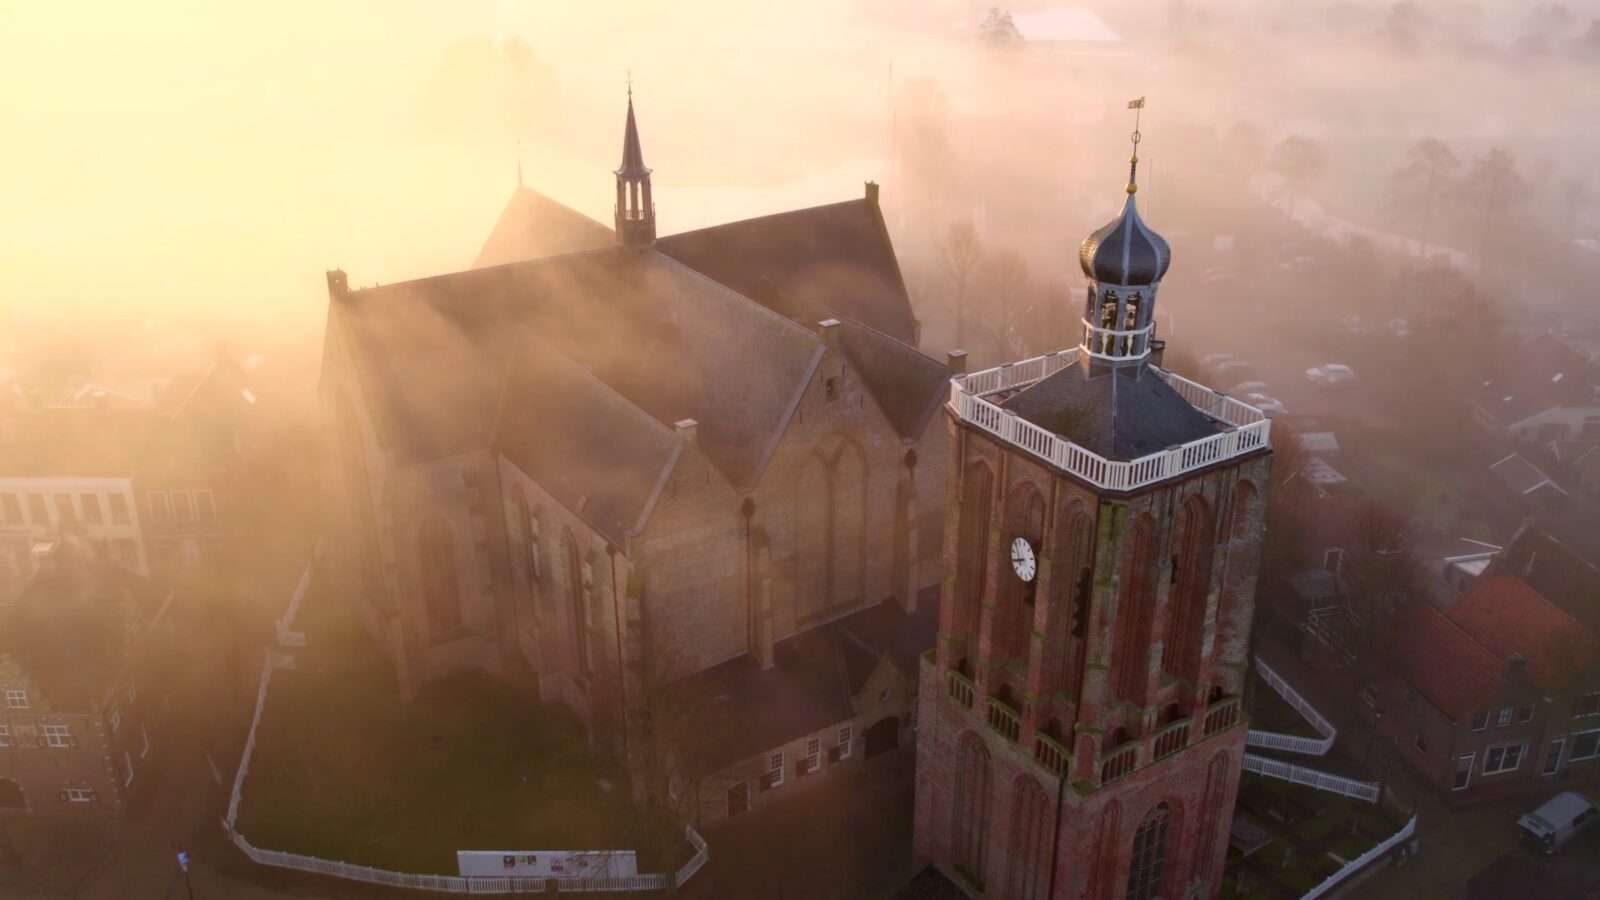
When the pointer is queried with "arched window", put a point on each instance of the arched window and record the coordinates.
(577, 601)
(1180, 652)
(11, 795)
(1149, 866)
(1027, 875)
(441, 590)
(1244, 498)
(1135, 612)
(1104, 873)
(1130, 321)
(1089, 305)
(1078, 575)
(1216, 787)
(971, 818)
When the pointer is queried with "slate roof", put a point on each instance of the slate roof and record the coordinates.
(632, 156)
(1507, 617)
(431, 354)
(533, 226)
(746, 711)
(1443, 663)
(1119, 413)
(808, 264)
(595, 452)
(1125, 251)
(908, 385)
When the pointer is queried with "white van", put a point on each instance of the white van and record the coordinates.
(1554, 823)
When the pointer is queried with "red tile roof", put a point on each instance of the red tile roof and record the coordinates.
(1442, 662)
(1507, 616)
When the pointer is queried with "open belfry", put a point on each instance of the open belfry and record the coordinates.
(1080, 731)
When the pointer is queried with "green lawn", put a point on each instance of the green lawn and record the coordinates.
(344, 771)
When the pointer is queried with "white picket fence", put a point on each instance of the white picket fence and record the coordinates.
(1322, 781)
(1273, 740)
(451, 884)
(1406, 833)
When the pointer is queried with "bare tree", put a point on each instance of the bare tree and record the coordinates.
(960, 253)
(1004, 282)
(1430, 165)
(1381, 574)
(1302, 162)
(1495, 189)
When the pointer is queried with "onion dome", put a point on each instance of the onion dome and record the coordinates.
(1125, 251)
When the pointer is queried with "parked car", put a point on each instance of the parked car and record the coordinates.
(1330, 374)
(1558, 820)
(1269, 405)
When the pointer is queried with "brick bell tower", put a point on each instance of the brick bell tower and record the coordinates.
(1079, 729)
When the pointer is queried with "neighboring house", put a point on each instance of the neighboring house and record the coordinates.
(140, 485)
(602, 462)
(1548, 392)
(75, 735)
(1553, 568)
(1500, 695)
(1528, 483)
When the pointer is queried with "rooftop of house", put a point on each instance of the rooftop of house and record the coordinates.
(1442, 662)
(1507, 616)
(1555, 569)
(1543, 373)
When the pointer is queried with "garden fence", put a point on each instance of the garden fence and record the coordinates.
(1350, 868)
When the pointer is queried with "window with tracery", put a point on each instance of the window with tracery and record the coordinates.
(1149, 855)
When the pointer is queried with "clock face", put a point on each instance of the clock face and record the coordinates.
(1022, 560)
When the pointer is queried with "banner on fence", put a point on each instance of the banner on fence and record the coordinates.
(548, 863)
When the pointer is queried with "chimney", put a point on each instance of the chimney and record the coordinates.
(688, 430)
(872, 192)
(1516, 671)
(338, 285)
(956, 362)
(828, 330)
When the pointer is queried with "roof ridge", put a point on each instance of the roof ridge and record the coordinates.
(775, 215)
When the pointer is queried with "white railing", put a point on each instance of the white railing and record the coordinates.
(450, 884)
(459, 884)
(1248, 427)
(1322, 781)
(1273, 740)
(1405, 833)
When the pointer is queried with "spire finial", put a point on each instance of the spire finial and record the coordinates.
(630, 87)
(1133, 164)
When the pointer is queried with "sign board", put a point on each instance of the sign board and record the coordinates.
(547, 863)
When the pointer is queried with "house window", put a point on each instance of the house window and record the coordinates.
(77, 795)
(1585, 746)
(119, 509)
(739, 798)
(5, 735)
(91, 508)
(16, 699)
(37, 510)
(159, 510)
(1523, 714)
(58, 736)
(846, 737)
(116, 719)
(12, 507)
(1587, 705)
(1552, 762)
(774, 776)
(127, 769)
(813, 759)
(1463, 772)
(1504, 718)
(182, 510)
(1502, 758)
(205, 509)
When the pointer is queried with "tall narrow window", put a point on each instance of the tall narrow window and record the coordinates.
(972, 808)
(441, 589)
(1028, 868)
(64, 511)
(1186, 619)
(119, 509)
(160, 511)
(1135, 613)
(37, 511)
(12, 508)
(1149, 867)
(182, 510)
(91, 508)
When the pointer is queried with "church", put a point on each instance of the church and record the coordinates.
(620, 468)
(1080, 733)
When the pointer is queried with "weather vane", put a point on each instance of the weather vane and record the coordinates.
(1133, 164)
